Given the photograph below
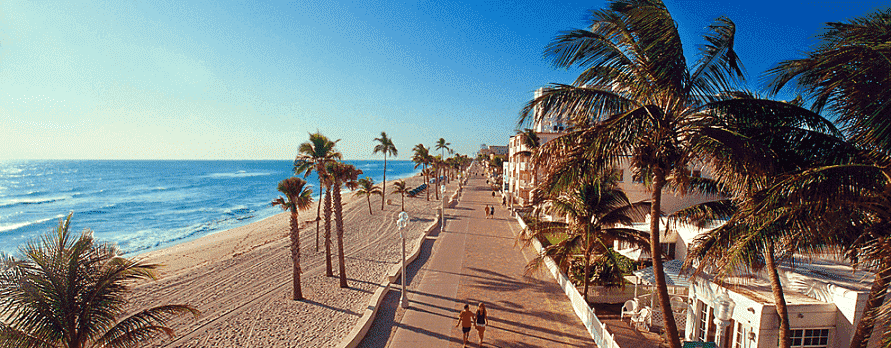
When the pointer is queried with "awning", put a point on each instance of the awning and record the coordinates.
(673, 275)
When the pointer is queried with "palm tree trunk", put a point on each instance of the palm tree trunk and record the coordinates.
(318, 213)
(587, 262)
(671, 328)
(385, 180)
(295, 255)
(873, 302)
(426, 181)
(778, 297)
(329, 272)
(338, 219)
(368, 198)
(403, 201)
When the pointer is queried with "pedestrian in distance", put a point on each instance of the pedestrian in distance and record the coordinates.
(466, 320)
(487, 211)
(482, 319)
(492, 211)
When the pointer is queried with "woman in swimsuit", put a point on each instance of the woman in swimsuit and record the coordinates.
(482, 319)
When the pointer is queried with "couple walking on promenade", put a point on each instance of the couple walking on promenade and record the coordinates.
(474, 261)
(479, 320)
(490, 211)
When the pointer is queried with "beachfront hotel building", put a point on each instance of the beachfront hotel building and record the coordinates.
(825, 296)
(520, 177)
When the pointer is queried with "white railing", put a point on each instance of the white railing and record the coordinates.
(597, 329)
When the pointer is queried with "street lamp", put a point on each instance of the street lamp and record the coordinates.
(401, 223)
(442, 190)
(723, 313)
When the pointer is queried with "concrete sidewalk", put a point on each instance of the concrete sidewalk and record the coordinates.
(474, 260)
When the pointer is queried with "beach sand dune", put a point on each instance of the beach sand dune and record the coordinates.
(240, 279)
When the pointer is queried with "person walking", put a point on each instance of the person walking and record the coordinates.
(487, 211)
(482, 319)
(492, 211)
(466, 320)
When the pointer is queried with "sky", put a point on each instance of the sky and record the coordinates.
(223, 79)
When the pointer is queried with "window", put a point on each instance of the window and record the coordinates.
(668, 250)
(738, 343)
(706, 322)
(811, 338)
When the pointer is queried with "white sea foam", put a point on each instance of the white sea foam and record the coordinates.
(239, 174)
(10, 227)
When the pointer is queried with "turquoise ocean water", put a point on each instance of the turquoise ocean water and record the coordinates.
(146, 205)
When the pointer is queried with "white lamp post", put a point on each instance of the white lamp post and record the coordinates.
(401, 223)
(723, 313)
(442, 190)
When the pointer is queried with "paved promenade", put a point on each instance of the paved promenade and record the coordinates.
(475, 260)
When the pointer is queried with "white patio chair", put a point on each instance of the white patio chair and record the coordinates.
(629, 309)
(641, 321)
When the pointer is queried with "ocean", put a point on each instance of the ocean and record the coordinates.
(146, 204)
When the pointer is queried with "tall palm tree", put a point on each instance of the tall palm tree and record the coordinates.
(344, 175)
(401, 188)
(849, 74)
(421, 157)
(328, 181)
(297, 198)
(385, 145)
(367, 189)
(637, 100)
(313, 156)
(762, 140)
(597, 211)
(69, 291)
(442, 145)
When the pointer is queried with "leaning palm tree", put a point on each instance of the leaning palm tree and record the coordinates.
(69, 291)
(344, 175)
(421, 158)
(367, 189)
(385, 145)
(849, 74)
(401, 188)
(297, 198)
(638, 100)
(313, 155)
(760, 141)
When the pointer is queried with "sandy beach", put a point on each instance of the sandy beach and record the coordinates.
(240, 279)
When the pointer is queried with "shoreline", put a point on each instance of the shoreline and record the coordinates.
(240, 279)
(174, 243)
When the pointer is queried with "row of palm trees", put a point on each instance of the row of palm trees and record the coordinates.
(793, 181)
(320, 155)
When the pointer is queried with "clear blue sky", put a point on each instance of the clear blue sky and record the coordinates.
(249, 80)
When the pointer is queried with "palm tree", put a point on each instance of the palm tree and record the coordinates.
(597, 211)
(761, 141)
(401, 189)
(441, 144)
(344, 175)
(69, 291)
(313, 155)
(637, 100)
(297, 198)
(328, 181)
(385, 145)
(367, 189)
(849, 73)
(421, 157)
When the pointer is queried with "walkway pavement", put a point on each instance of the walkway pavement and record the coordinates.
(475, 260)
